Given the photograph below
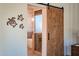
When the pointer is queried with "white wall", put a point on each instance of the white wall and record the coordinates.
(70, 26)
(71, 23)
(12, 40)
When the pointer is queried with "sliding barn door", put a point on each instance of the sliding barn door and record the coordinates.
(55, 29)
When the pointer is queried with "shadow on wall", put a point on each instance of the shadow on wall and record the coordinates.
(70, 41)
(67, 47)
(75, 35)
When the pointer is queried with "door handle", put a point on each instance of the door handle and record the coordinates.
(48, 36)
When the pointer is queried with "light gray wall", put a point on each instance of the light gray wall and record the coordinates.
(13, 40)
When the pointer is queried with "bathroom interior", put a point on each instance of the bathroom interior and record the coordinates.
(35, 35)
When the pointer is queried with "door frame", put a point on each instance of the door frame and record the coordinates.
(44, 28)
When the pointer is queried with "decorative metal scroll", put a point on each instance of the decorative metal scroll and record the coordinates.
(20, 17)
(12, 22)
(21, 26)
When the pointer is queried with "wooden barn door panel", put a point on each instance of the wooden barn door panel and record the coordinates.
(55, 28)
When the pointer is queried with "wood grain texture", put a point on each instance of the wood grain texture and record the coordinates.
(55, 28)
(74, 50)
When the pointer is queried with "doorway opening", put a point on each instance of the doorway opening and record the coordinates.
(34, 36)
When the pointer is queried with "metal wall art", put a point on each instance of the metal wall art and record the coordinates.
(20, 17)
(21, 26)
(12, 22)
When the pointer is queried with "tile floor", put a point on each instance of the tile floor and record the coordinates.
(33, 54)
